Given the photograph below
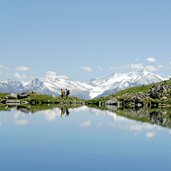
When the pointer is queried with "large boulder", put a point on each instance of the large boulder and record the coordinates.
(11, 96)
(159, 91)
(22, 95)
(139, 97)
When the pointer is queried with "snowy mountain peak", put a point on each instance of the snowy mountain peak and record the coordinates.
(51, 83)
(119, 81)
(36, 82)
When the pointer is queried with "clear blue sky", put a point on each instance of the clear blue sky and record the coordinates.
(84, 39)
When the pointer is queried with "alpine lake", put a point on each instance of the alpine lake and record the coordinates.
(84, 138)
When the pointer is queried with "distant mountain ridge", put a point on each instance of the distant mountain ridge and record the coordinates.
(119, 81)
(51, 83)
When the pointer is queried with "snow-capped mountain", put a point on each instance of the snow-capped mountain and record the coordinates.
(11, 86)
(51, 83)
(118, 81)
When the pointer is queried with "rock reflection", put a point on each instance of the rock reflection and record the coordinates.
(159, 116)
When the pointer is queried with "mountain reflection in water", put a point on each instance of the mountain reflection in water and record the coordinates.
(84, 138)
(158, 116)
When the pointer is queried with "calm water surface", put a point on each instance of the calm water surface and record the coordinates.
(85, 139)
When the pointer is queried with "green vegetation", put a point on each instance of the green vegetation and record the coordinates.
(135, 92)
(35, 98)
(122, 94)
(3, 95)
(35, 102)
(41, 99)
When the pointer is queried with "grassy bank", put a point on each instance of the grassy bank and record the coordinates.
(35, 98)
(129, 93)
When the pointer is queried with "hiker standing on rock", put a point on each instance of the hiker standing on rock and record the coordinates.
(62, 93)
(67, 92)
